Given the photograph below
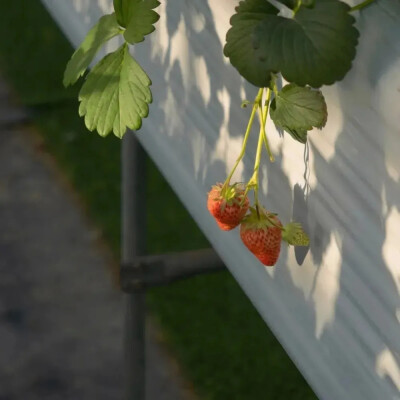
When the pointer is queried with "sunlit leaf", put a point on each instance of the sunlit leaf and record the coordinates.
(122, 11)
(115, 95)
(106, 28)
(141, 20)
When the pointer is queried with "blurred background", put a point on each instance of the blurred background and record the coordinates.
(59, 316)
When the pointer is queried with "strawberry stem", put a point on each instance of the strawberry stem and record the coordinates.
(297, 7)
(254, 178)
(263, 119)
(272, 222)
(258, 212)
(262, 139)
(273, 85)
(257, 103)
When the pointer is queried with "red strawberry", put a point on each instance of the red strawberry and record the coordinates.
(227, 205)
(262, 235)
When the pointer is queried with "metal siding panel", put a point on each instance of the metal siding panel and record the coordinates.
(338, 313)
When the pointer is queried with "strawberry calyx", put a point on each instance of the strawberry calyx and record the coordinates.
(228, 204)
(260, 218)
(229, 194)
(294, 234)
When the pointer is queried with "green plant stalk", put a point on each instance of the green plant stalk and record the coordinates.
(262, 138)
(273, 85)
(256, 104)
(298, 5)
(253, 182)
(257, 162)
(362, 5)
(263, 119)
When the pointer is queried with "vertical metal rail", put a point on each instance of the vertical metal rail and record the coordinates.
(133, 245)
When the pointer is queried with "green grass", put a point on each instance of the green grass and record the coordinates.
(224, 347)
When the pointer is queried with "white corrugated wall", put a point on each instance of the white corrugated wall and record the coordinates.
(337, 314)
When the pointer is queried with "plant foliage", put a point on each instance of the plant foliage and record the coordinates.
(115, 95)
(315, 47)
(104, 30)
(298, 109)
(142, 18)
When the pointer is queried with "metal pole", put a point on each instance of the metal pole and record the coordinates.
(133, 245)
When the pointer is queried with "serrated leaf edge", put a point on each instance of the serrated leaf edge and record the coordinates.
(91, 121)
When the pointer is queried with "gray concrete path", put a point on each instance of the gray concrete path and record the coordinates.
(61, 319)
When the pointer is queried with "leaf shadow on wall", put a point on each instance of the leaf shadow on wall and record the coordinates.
(355, 199)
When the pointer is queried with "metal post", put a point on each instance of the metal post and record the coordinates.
(133, 245)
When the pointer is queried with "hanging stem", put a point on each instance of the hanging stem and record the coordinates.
(253, 182)
(256, 169)
(263, 119)
(262, 138)
(273, 85)
(256, 104)
(297, 7)
(365, 3)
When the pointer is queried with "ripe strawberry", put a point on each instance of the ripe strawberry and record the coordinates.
(228, 206)
(262, 235)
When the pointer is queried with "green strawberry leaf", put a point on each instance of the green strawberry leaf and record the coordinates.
(298, 109)
(297, 134)
(141, 20)
(294, 234)
(308, 3)
(115, 95)
(289, 3)
(239, 41)
(316, 47)
(293, 3)
(122, 11)
(106, 28)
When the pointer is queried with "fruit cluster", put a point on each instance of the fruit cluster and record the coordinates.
(260, 230)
